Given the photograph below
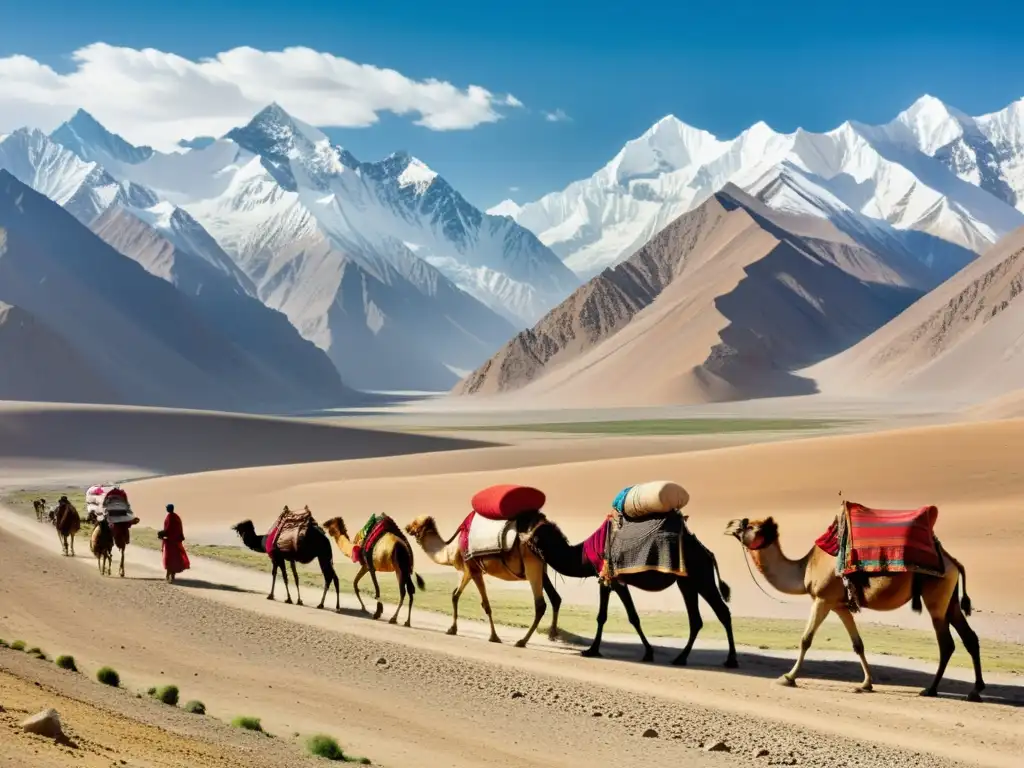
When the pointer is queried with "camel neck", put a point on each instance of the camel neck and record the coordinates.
(565, 558)
(344, 544)
(253, 540)
(787, 576)
(436, 548)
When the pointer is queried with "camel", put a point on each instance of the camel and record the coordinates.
(390, 554)
(67, 522)
(315, 546)
(39, 505)
(101, 542)
(815, 574)
(701, 565)
(120, 537)
(521, 563)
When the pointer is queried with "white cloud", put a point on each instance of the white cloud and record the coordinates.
(558, 116)
(513, 189)
(154, 97)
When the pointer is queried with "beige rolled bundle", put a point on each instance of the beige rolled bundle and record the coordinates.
(654, 498)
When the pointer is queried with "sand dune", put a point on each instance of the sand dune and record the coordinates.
(971, 471)
(159, 440)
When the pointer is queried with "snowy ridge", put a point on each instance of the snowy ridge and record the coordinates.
(933, 178)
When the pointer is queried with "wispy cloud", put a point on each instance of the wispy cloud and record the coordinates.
(154, 97)
(513, 189)
(557, 116)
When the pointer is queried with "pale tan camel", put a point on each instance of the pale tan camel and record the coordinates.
(391, 554)
(101, 542)
(519, 564)
(815, 574)
(68, 523)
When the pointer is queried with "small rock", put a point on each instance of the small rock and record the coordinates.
(650, 733)
(717, 746)
(517, 694)
(596, 714)
(762, 752)
(44, 724)
(382, 662)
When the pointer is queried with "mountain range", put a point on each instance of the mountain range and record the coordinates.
(934, 183)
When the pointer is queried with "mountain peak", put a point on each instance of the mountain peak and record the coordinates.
(273, 131)
(88, 138)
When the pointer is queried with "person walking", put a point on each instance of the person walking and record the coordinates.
(175, 557)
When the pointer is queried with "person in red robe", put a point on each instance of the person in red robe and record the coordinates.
(173, 536)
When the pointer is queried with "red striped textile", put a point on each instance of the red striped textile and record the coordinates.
(890, 541)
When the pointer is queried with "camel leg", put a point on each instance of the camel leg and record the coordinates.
(412, 594)
(634, 618)
(401, 594)
(478, 579)
(72, 544)
(328, 573)
(956, 617)
(121, 570)
(535, 568)
(556, 603)
(602, 616)
(355, 587)
(298, 593)
(711, 593)
(858, 646)
(284, 577)
(273, 580)
(456, 594)
(376, 593)
(819, 611)
(693, 618)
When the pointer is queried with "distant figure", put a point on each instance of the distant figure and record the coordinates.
(173, 536)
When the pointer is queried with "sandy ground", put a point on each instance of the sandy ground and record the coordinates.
(419, 697)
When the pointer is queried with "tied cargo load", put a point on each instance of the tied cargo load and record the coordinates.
(658, 497)
(507, 502)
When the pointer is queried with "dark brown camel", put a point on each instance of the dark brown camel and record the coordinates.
(315, 546)
(703, 581)
(39, 505)
(68, 523)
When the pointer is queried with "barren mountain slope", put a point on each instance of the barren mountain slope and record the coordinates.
(723, 303)
(965, 336)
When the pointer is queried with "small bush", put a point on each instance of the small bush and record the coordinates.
(195, 708)
(151, 691)
(248, 724)
(325, 747)
(37, 652)
(108, 676)
(3, 644)
(66, 662)
(167, 694)
(18, 645)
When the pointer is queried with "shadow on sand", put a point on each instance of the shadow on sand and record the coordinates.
(753, 664)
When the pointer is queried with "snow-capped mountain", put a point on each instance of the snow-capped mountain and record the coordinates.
(940, 187)
(277, 179)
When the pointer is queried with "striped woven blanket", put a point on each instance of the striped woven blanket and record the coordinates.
(370, 534)
(878, 541)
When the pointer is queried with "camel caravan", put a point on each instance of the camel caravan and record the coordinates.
(866, 559)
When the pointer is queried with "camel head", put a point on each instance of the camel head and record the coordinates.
(421, 526)
(244, 528)
(754, 534)
(336, 527)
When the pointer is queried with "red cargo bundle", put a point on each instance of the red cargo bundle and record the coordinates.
(505, 502)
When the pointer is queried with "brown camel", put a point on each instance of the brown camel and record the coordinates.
(815, 574)
(519, 564)
(101, 542)
(391, 554)
(39, 505)
(67, 522)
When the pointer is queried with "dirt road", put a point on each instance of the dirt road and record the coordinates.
(415, 696)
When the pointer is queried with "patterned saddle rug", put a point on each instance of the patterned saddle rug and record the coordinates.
(638, 546)
(370, 534)
(879, 541)
(290, 531)
(479, 536)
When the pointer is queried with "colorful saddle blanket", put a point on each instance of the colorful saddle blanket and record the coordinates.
(637, 546)
(289, 531)
(879, 541)
(479, 536)
(371, 533)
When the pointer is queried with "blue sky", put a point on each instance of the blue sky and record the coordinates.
(614, 68)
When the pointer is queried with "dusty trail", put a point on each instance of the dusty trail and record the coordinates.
(415, 696)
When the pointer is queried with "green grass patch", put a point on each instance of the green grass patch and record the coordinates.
(166, 694)
(39, 653)
(328, 748)
(66, 662)
(514, 608)
(248, 723)
(18, 645)
(195, 707)
(108, 676)
(704, 426)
